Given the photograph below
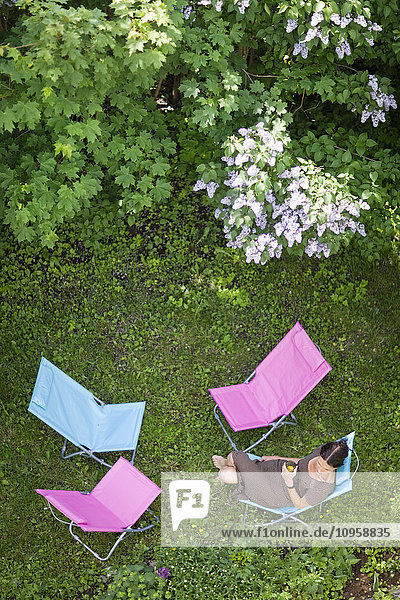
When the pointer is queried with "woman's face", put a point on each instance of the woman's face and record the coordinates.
(322, 465)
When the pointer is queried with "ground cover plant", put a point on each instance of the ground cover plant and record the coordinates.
(162, 314)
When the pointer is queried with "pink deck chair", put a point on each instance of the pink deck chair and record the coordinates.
(289, 372)
(114, 504)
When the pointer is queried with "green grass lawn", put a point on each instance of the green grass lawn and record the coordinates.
(163, 322)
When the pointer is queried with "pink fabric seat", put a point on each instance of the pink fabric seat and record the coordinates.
(114, 504)
(289, 372)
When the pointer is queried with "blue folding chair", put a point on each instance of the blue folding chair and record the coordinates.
(81, 418)
(343, 485)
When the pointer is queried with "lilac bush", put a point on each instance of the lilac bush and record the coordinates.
(269, 204)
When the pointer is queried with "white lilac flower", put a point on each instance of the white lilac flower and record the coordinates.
(240, 159)
(365, 114)
(360, 20)
(335, 18)
(364, 205)
(300, 48)
(353, 210)
(249, 144)
(373, 82)
(343, 48)
(243, 5)
(226, 200)
(243, 131)
(261, 221)
(321, 229)
(344, 21)
(204, 2)
(339, 51)
(346, 47)
(262, 240)
(186, 10)
(199, 185)
(291, 25)
(316, 18)
(218, 5)
(310, 35)
(374, 27)
(239, 202)
(217, 212)
(304, 51)
(369, 40)
(293, 186)
(253, 170)
(229, 160)
(256, 207)
(304, 183)
(334, 227)
(212, 188)
(269, 196)
(361, 229)
(324, 38)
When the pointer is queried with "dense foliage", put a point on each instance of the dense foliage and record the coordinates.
(99, 101)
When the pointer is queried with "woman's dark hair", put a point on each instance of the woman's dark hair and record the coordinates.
(335, 453)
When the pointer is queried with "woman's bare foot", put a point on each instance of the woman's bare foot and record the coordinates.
(219, 461)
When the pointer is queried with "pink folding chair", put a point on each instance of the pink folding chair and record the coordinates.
(114, 504)
(270, 394)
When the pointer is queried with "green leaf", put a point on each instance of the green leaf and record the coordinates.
(7, 119)
(125, 178)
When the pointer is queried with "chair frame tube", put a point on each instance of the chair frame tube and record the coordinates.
(273, 426)
(126, 533)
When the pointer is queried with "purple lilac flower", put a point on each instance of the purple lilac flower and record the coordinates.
(163, 573)
(218, 5)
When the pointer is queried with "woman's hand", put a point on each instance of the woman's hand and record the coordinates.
(288, 476)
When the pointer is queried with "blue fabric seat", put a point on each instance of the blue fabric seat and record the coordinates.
(81, 418)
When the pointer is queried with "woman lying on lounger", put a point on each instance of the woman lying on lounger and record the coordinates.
(268, 481)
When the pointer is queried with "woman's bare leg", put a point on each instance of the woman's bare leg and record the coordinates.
(228, 475)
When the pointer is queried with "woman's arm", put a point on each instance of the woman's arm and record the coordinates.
(281, 457)
(294, 496)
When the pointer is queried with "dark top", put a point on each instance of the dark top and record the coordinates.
(262, 481)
